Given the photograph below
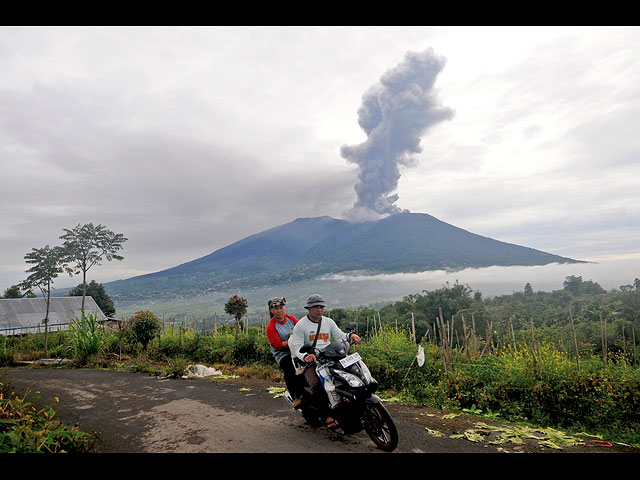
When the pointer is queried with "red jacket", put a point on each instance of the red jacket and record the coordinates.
(274, 336)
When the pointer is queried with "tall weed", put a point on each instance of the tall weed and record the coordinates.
(86, 338)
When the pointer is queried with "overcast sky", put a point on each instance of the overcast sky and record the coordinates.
(188, 139)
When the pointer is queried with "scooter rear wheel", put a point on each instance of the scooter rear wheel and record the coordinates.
(380, 427)
(311, 417)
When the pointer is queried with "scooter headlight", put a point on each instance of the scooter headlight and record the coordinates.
(351, 379)
(366, 372)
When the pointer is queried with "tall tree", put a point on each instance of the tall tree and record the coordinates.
(236, 306)
(86, 246)
(98, 293)
(47, 264)
(528, 289)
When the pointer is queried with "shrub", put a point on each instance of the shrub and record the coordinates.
(176, 367)
(251, 349)
(6, 357)
(27, 429)
(220, 349)
(144, 326)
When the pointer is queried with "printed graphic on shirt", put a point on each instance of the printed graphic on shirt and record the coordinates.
(323, 336)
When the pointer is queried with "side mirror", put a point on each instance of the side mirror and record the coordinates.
(351, 326)
(305, 349)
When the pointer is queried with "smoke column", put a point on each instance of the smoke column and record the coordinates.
(394, 114)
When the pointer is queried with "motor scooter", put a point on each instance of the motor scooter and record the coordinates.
(354, 404)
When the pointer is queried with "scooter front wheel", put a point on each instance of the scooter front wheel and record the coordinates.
(380, 426)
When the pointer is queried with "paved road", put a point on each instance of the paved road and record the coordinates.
(136, 413)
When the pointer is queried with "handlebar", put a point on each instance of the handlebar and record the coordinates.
(309, 350)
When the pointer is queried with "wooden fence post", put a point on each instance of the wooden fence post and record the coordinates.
(633, 335)
(465, 344)
(446, 357)
(575, 338)
(475, 336)
(413, 328)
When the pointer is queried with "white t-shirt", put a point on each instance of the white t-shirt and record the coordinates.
(305, 333)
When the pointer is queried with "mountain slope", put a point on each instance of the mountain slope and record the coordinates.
(416, 242)
(272, 250)
(307, 247)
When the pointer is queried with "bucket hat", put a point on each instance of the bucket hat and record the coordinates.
(315, 300)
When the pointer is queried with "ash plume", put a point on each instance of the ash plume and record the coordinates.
(394, 114)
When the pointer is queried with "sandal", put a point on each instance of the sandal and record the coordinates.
(330, 423)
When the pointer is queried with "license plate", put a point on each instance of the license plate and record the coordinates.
(350, 359)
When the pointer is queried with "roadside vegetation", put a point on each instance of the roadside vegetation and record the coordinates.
(564, 359)
(27, 428)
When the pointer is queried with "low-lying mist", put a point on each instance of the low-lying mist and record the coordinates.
(356, 290)
(493, 281)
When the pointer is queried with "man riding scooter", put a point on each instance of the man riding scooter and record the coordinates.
(317, 330)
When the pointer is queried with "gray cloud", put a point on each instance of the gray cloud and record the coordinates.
(187, 139)
(161, 171)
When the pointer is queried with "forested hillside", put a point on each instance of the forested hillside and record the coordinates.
(580, 312)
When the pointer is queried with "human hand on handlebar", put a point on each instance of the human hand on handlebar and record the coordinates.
(311, 358)
(354, 338)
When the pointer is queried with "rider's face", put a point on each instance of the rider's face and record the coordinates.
(278, 312)
(316, 312)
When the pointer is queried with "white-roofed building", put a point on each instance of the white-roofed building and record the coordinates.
(19, 316)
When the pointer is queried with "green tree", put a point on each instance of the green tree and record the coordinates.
(426, 306)
(98, 293)
(13, 292)
(47, 264)
(572, 284)
(86, 246)
(145, 326)
(577, 286)
(236, 306)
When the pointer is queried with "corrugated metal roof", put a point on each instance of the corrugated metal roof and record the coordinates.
(19, 314)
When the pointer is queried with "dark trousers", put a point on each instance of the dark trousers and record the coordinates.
(318, 393)
(293, 381)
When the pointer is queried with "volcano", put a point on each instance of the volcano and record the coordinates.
(310, 247)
